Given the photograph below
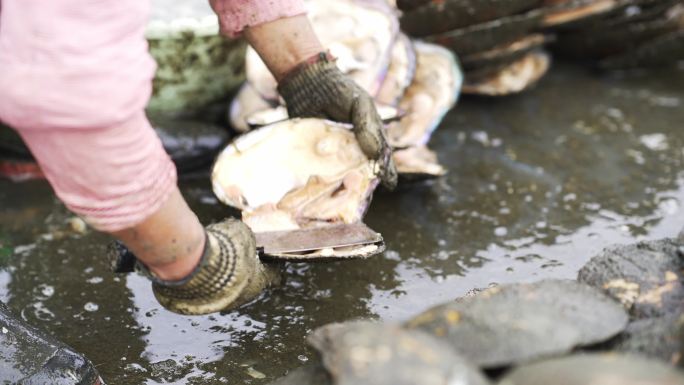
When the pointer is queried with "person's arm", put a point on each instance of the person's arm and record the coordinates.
(308, 79)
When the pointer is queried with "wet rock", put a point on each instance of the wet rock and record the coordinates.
(29, 356)
(645, 277)
(372, 353)
(516, 323)
(310, 374)
(603, 369)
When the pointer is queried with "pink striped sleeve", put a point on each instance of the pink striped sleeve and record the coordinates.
(236, 15)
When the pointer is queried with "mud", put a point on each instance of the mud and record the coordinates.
(538, 183)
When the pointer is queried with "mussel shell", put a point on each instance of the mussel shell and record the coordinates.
(246, 103)
(417, 163)
(434, 91)
(600, 42)
(485, 36)
(663, 50)
(577, 12)
(257, 162)
(503, 54)
(442, 16)
(585, 14)
(517, 323)
(365, 352)
(597, 368)
(513, 78)
(634, 13)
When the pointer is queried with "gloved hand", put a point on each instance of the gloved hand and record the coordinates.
(317, 88)
(228, 275)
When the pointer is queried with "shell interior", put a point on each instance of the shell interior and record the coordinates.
(297, 174)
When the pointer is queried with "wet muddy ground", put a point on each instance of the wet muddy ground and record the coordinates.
(538, 184)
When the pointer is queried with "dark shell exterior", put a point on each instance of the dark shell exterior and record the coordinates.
(663, 50)
(586, 369)
(438, 16)
(660, 338)
(500, 56)
(603, 41)
(520, 322)
(363, 352)
(485, 36)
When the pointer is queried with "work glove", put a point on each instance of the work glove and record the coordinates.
(317, 88)
(228, 275)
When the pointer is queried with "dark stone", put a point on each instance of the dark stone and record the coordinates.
(653, 337)
(517, 323)
(29, 356)
(442, 16)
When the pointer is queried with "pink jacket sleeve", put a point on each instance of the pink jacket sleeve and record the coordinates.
(236, 15)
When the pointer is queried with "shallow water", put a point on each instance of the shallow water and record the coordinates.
(538, 183)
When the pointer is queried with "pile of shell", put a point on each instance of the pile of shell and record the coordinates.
(496, 41)
(500, 43)
(622, 323)
(621, 33)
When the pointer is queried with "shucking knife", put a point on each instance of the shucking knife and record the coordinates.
(274, 243)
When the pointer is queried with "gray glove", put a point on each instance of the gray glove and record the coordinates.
(228, 275)
(317, 88)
